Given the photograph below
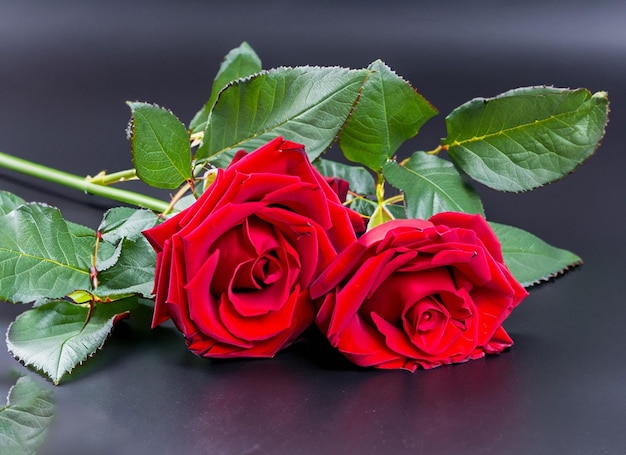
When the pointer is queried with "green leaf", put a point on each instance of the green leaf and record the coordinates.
(57, 336)
(128, 266)
(79, 230)
(132, 272)
(360, 179)
(307, 105)
(9, 202)
(388, 113)
(40, 257)
(160, 146)
(25, 418)
(530, 259)
(238, 63)
(397, 211)
(431, 185)
(185, 202)
(525, 138)
(124, 222)
(363, 205)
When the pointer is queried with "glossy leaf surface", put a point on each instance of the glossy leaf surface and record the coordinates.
(431, 185)
(307, 105)
(360, 179)
(530, 259)
(525, 138)
(40, 256)
(238, 63)
(57, 336)
(388, 113)
(160, 146)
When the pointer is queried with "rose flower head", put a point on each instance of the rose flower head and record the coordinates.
(415, 293)
(234, 269)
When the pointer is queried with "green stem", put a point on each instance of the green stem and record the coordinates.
(80, 183)
(394, 199)
(109, 179)
(380, 188)
(439, 148)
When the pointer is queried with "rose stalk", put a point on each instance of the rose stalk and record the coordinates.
(83, 184)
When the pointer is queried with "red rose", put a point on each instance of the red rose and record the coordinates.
(415, 293)
(233, 270)
(339, 186)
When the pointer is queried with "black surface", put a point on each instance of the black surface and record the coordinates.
(66, 70)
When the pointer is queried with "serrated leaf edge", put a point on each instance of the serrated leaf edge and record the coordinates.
(368, 73)
(56, 378)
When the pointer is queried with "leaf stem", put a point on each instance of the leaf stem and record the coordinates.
(394, 199)
(80, 183)
(439, 148)
(102, 178)
(380, 188)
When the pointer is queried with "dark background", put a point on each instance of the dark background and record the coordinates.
(66, 70)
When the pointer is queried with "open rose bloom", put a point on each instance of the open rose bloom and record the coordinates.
(233, 270)
(415, 293)
(269, 249)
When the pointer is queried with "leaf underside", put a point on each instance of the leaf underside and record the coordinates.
(25, 418)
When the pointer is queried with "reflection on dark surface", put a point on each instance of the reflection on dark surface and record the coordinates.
(551, 390)
(281, 405)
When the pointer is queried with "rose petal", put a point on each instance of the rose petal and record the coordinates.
(363, 344)
(498, 342)
(268, 325)
(381, 231)
(197, 243)
(203, 306)
(309, 240)
(355, 291)
(477, 224)
(268, 296)
(342, 266)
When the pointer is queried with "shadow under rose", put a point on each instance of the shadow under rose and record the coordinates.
(291, 405)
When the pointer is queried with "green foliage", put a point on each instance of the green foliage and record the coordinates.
(160, 146)
(388, 113)
(25, 418)
(360, 179)
(126, 223)
(530, 259)
(307, 105)
(40, 256)
(9, 202)
(133, 271)
(526, 137)
(83, 281)
(431, 185)
(57, 336)
(238, 63)
(129, 268)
